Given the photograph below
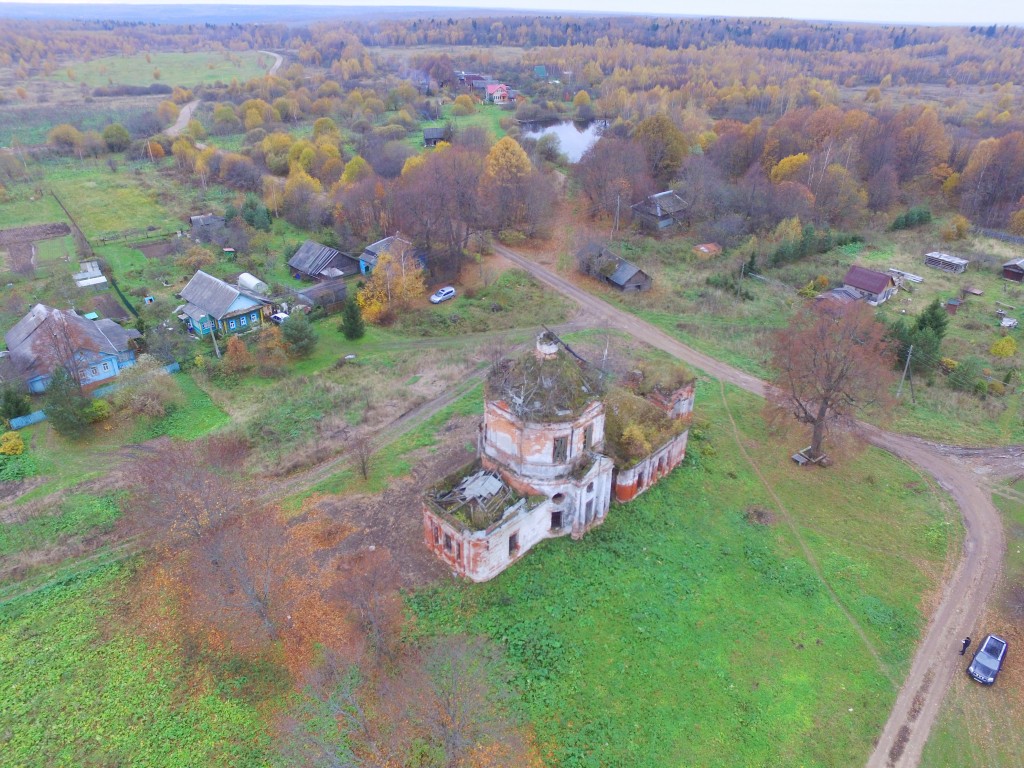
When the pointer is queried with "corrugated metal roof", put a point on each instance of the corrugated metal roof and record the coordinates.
(865, 279)
(209, 294)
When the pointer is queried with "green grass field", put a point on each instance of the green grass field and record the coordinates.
(78, 689)
(29, 125)
(679, 633)
(184, 69)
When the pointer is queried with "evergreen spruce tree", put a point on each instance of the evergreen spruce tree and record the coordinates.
(352, 324)
(65, 405)
(299, 336)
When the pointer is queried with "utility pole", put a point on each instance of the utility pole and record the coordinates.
(615, 227)
(906, 368)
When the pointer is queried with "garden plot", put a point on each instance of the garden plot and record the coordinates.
(17, 244)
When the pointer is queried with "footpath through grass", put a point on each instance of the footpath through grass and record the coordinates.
(682, 633)
(78, 690)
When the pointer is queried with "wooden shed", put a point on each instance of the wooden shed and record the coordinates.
(945, 262)
(1014, 270)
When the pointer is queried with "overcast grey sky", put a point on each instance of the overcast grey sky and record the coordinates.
(888, 11)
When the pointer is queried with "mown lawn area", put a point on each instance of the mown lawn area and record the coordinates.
(682, 633)
(80, 690)
(980, 725)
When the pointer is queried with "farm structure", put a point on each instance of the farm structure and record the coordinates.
(875, 287)
(92, 351)
(945, 262)
(556, 444)
(606, 265)
(1014, 270)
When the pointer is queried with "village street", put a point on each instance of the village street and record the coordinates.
(902, 740)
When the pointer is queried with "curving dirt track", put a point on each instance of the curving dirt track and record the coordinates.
(917, 705)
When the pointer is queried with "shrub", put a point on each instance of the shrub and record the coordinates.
(11, 444)
(915, 217)
(511, 237)
(97, 410)
(1005, 347)
(996, 388)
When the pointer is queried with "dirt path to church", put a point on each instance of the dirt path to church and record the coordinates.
(903, 738)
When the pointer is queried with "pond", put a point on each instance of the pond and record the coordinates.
(574, 138)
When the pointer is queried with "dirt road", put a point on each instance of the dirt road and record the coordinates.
(917, 705)
(183, 117)
(187, 109)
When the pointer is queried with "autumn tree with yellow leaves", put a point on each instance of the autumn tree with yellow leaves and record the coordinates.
(396, 281)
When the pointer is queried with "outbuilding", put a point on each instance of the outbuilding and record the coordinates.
(1014, 270)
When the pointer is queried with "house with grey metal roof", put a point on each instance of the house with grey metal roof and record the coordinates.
(660, 211)
(213, 303)
(91, 351)
(314, 261)
(396, 245)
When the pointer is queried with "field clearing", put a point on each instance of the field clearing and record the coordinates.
(105, 203)
(680, 598)
(980, 725)
(29, 124)
(184, 69)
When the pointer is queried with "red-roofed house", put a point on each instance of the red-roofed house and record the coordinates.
(874, 286)
(499, 93)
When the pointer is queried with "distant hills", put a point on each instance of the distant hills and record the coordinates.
(220, 14)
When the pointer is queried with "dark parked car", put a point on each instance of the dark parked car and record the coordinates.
(988, 660)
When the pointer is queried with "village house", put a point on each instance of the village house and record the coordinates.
(1014, 270)
(659, 212)
(213, 303)
(556, 444)
(208, 228)
(499, 93)
(313, 261)
(396, 245)
(875, 287)
(431, 136)
(92, 351)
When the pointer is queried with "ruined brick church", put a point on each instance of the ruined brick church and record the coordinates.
(557, 442)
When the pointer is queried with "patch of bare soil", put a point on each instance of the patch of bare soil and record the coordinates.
(393, 520)
(159, 249)
(760, 516)
(107, 306)
(18, 235)
(21, 259)
(10, 492)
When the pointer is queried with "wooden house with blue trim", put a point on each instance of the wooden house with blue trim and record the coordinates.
(396, 245)
(92, 351)
(212, 303)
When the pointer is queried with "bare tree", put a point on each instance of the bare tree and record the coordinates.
(831, 362)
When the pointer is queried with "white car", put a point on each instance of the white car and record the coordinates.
(279, 317)
(442, 294)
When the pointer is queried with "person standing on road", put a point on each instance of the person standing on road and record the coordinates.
(967, 642)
